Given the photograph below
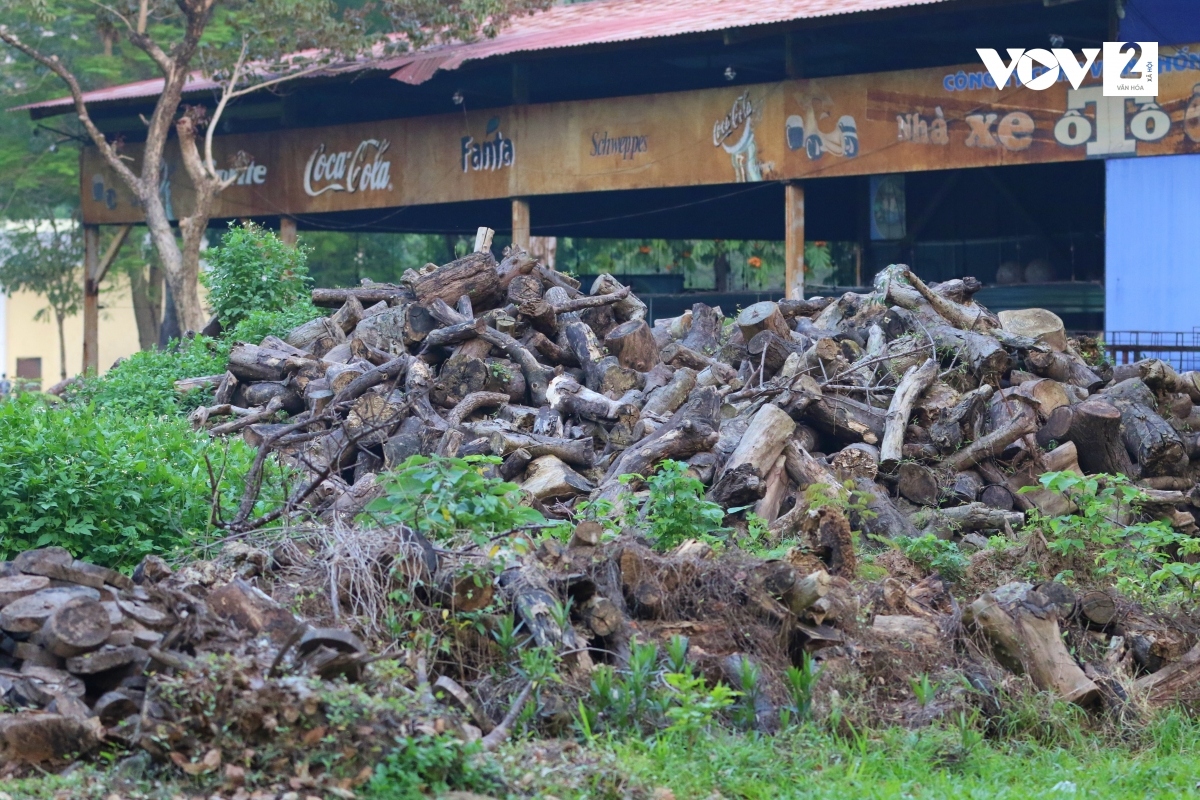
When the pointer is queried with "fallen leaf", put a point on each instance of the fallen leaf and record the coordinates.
(314, 736)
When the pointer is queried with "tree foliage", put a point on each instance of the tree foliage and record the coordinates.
(243, 45)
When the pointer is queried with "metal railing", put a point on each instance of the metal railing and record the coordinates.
(1180, 349)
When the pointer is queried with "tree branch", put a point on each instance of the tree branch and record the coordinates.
(53, 64)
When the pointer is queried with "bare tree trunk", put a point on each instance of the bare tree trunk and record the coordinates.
(62, 346)
(146, 293)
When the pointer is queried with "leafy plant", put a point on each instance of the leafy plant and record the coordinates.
(923, 689)
(801, 681)
(675, 508)
(252, 271)
(749, 677)
(505, 634)
(144, 384)
(695, 705)
(424, 765)
(1145, 559)
(442, 496)
(105, 485)
(934, 554)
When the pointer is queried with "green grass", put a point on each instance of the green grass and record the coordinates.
(931, 763)
(893, 764)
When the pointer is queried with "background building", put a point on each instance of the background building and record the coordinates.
(868, 126)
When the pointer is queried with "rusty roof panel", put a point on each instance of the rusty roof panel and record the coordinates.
(609, 21)
(577, 25)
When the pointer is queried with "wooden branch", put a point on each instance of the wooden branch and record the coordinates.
(989, 446)
(915, 381)
(593, 301)
(366, 295)
(472, 403)
(537, 376)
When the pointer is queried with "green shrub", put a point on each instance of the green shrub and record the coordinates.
(252, 271)
(424, 766)
(934, 554)
(259, 324)
(144, 384)
(1147, 559)
(442, 496)
(675, 508)
(108, 486)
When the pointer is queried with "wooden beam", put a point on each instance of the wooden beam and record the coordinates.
(287, 231)
(91, 299)
(520, 222)
(794, 247)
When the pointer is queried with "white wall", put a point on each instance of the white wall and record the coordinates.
(1152, 244)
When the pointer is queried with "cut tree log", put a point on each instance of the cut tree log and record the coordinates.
(77, 626)
(704, 334)
(764, 316)
(915, 633)
(961, 421)
(633, 344)
(1154, 444)
(1098, 608)
(367, 295)
(846, 419)
(1095, 430)
(568, 397)
(1064, 368)
(690, 430)
(528, 589)
(1037, 324)
(548, 477)
(856, 460)
(1049, 395)
(915, 381)
(317, 336)
(628, 307)
(763, 441)
(577, 452)
(1023, 627)
(29, 613)
(990, 445)
(918, 484)
(776, 489)
(474, 275)
(1176, 683)
(1056, 427)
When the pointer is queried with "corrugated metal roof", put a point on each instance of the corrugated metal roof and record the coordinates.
(577, 25)
(608, 21)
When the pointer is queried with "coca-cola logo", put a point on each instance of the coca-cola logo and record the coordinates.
(742, 110)
(360, 170)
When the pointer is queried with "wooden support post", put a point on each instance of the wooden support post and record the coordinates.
(91, 300)
(95, 268)
(520, 222)
(287, 231)
(794, 247)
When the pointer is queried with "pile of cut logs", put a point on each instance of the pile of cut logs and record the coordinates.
(937, 409)
(78, 643)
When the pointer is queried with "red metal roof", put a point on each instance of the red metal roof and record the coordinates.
(577, 25)
(607, 21)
